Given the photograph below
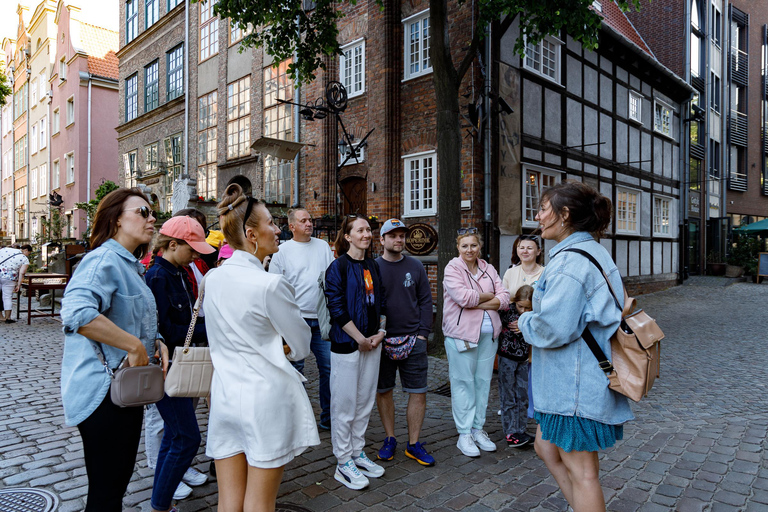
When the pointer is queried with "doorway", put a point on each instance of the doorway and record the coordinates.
(692, 247)
(354, 196)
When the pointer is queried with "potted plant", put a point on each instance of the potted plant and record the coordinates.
(743, 254)
(715, 264)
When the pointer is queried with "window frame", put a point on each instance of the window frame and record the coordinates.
(152, 156)
(211, 22)
(418, 17)
(422, 210)
(33, 139)
(550, 173)
(638, 117)
(618, 219)
(669, 219)
(239, 118)
(43, 85)
(658, 128)
(43, 133)
(557, 43)
(56, 122)
(173, 3)
(56, 174)
(33, 183)
(207, 135)
(171, 72)
(70, 102)
(152, 86)
(33, 93)
(134, 87)
(360, 154)
(69, 160)
(155, 6)
(43, 179)
(351, 47)
(131, 20)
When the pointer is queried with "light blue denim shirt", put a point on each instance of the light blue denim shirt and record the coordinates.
(107, 281)
(570, 295)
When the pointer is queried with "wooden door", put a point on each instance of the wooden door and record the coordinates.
(355, 197)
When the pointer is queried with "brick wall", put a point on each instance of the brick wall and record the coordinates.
(661, 23)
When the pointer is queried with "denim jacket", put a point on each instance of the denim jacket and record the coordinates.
(570, 295)
(107, 281)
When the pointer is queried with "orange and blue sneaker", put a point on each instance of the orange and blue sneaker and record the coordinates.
(417, 452)
(387, 451)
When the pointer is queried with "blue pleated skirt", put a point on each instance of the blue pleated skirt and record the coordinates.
(572, 433)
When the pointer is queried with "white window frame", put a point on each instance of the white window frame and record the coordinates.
(43, 133)
(556, 175)
(33, 93)
(33, 183)
(421, 211)
(70, 101)
(420, 18)
(360, 151)
(43, 179)
(638, 117)
(619, 219)
(658, 224)
(56, 174)
(354, 87)
(43, 85)
(33, 139)
(69, 160)
(56, 121)
(659, 128)
(535, 63)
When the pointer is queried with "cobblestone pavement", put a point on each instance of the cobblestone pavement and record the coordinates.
(697, 443)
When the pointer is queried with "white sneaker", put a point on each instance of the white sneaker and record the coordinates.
(367, 467)
(467, 446)
(194, 478)
(349, 475)
(182, 491)
(482, 441)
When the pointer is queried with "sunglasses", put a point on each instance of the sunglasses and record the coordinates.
(248, 209)
(144, 211)
(466, 231)
(533, 238)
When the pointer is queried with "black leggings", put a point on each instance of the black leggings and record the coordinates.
(111, 438)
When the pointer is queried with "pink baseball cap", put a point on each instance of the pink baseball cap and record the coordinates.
(187, 229)
(225, 252)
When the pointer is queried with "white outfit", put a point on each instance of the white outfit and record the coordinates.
(258, 403)
(11, 262)
(353, 388)
(301, 264)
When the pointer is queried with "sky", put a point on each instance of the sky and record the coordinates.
(103, 13)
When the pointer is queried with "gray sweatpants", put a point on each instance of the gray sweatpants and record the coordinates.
(513, 395)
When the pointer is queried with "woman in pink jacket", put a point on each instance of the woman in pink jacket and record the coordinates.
(473, 293)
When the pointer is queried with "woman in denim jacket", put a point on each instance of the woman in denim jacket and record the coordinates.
(181, 240)
(107, 307)
(576, 412)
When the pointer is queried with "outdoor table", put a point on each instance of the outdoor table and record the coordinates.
(34, 282)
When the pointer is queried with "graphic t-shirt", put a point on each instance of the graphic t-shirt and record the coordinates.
(370, 298)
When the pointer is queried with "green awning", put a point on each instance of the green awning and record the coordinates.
(754, 228)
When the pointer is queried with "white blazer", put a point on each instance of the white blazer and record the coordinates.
(258, 403)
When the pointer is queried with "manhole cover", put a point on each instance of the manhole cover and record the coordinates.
(27, 500)
(290, 507)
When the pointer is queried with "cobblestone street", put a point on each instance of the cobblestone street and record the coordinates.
(697, 442)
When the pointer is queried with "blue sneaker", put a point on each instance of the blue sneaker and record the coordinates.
(417, 452)
(387, 451)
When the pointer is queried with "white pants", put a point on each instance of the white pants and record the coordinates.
(154, 427)
(353, 391)
(7, 286)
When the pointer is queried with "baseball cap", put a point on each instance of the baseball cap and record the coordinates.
(391, 225)
(187, 229)
(225, 252)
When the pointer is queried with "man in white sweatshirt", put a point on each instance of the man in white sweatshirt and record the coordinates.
(301, 260)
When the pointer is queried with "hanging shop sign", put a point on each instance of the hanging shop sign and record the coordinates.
(421, 239)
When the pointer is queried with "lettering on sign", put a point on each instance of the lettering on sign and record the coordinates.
(693, 203)
(421, 239)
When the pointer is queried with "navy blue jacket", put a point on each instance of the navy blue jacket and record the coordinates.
(345, 291)
(174, 304)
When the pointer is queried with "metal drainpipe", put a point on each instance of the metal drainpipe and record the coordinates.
(185, 169)
(49, 182)
(29, 230)
(725, 86)
(296, 123)
(88, 165)
(487, 139)
(12, 220)
(704, 181)
(685, 161)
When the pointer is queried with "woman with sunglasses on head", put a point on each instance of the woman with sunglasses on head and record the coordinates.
(261, 417)
(526, 266)
(181, 241)
(357, 307)
(576, 412)
(108, 310)
(472, 295)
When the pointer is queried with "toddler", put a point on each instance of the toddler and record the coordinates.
(513, 371)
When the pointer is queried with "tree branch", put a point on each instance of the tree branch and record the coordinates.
(470, 56)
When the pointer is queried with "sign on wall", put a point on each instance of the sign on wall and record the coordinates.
(421, 239)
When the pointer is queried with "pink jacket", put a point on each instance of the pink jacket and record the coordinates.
(461, 292)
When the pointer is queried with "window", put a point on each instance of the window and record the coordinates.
(6, 119)
(152, 12)
(714, 159)
(695, 126)
(627, 202)
(635, 106)
(695, 54)
(44, 132)
(662, 121)
(131, 98)
(70, 111)
(356, 158)
(597, 5)
(151, 94)
(352, 68)
(694, 174)
(239, 118)
(544, 58)
(20, 100)
(661, 217)
(33, 96)
(717, 22)
(43, 179)
(416, 45)
(129, 169)
(420, 184)
(55, 175)
(33, 139)
(209, 30)
(33, 183)
(151, 158)
(172, 146)
(20, 153)
(206, 145)
(236, 33)
(173, 3)
(43, 85)
(175, 85)
(536, 181)
(278, 124)
(714, 93)
(56, 122)
(63, 68)
(69, 162)
(131, 20)
(7, 163)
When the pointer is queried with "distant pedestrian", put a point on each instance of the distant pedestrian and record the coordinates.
(576, 411)
(13, 267)
(107, 308)
(473, 294)
(357, 304)
(409, 314)
(260, 417)
(300, 261)
(513, 370)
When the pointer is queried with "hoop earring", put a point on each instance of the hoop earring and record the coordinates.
(562, 224)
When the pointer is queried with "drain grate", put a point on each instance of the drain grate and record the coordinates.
(444, 390)
(290, 507)
(27, 500)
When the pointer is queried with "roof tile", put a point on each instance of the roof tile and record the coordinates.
(618, 20)
(100, 45)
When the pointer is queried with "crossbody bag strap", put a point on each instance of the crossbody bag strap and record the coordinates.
(100, 354)
(9, 257)
(195, 312)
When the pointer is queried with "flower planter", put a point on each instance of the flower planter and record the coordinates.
(734, 271)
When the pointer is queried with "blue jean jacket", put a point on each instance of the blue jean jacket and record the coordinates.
(107, 281)
(570, 295)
